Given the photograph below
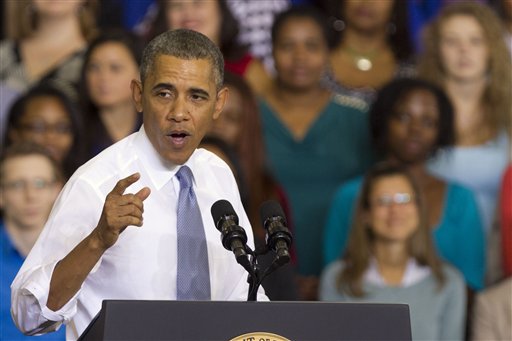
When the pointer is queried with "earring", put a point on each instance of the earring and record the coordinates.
(338, 24)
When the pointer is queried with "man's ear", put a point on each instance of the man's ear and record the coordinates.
(222, 97)
(136, 87)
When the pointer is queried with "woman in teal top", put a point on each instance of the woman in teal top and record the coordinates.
(453, 213)
(457, 237)
(390, 258)
(314, 141)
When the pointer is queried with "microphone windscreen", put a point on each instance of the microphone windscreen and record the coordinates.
(271, 208)
(222, 208)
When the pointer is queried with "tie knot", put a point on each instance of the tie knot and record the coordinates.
(185, 177)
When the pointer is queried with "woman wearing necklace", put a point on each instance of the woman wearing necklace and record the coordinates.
(314, 141)
(371, 46)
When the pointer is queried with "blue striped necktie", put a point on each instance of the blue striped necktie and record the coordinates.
(193, 275)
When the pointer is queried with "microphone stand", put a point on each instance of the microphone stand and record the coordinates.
(256, 275)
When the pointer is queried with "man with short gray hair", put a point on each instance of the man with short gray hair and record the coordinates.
(184, 44)
(134, 222)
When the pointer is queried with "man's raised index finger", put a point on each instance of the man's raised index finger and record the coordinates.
(123, 184)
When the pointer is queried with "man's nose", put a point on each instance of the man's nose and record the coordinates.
(179, 110)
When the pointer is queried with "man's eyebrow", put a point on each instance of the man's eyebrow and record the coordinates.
(199, 91)
(163, 86)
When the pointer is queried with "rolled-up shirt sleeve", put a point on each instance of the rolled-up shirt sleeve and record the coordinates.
(29, 293)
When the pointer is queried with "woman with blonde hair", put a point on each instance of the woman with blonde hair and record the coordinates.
(466, 55)
(391, 258)
(49, 44)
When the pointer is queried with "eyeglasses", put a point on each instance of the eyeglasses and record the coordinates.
(397, 198)
(42, 128)
(19, 186)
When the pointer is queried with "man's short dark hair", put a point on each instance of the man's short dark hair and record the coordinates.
(28, 148)
(183, 44)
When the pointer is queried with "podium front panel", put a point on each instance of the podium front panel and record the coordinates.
(193, 320)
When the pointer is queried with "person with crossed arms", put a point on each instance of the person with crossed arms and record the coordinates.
(134, 222)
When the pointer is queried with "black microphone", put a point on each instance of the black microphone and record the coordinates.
(233, 237)
(278, 236)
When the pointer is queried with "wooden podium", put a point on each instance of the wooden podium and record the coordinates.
(210, 320)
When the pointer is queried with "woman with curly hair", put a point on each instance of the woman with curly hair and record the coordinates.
(466, 55)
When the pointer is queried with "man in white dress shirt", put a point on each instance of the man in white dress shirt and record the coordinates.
(112, 231)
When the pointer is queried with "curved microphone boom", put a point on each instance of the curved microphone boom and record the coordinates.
(233, 237)
(278, 237)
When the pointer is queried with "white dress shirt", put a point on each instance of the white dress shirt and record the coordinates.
(142, 263)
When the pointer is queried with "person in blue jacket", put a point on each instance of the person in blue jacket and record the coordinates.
(409, 121)
(30, 180)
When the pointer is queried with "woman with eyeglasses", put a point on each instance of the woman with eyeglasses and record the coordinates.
(390, 259)
(46, 116)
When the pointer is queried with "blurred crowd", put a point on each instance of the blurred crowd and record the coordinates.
(382, 127)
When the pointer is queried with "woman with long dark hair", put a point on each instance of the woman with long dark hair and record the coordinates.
(391, 259)
(111, 63)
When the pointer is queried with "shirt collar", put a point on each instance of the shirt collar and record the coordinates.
(412, 275)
